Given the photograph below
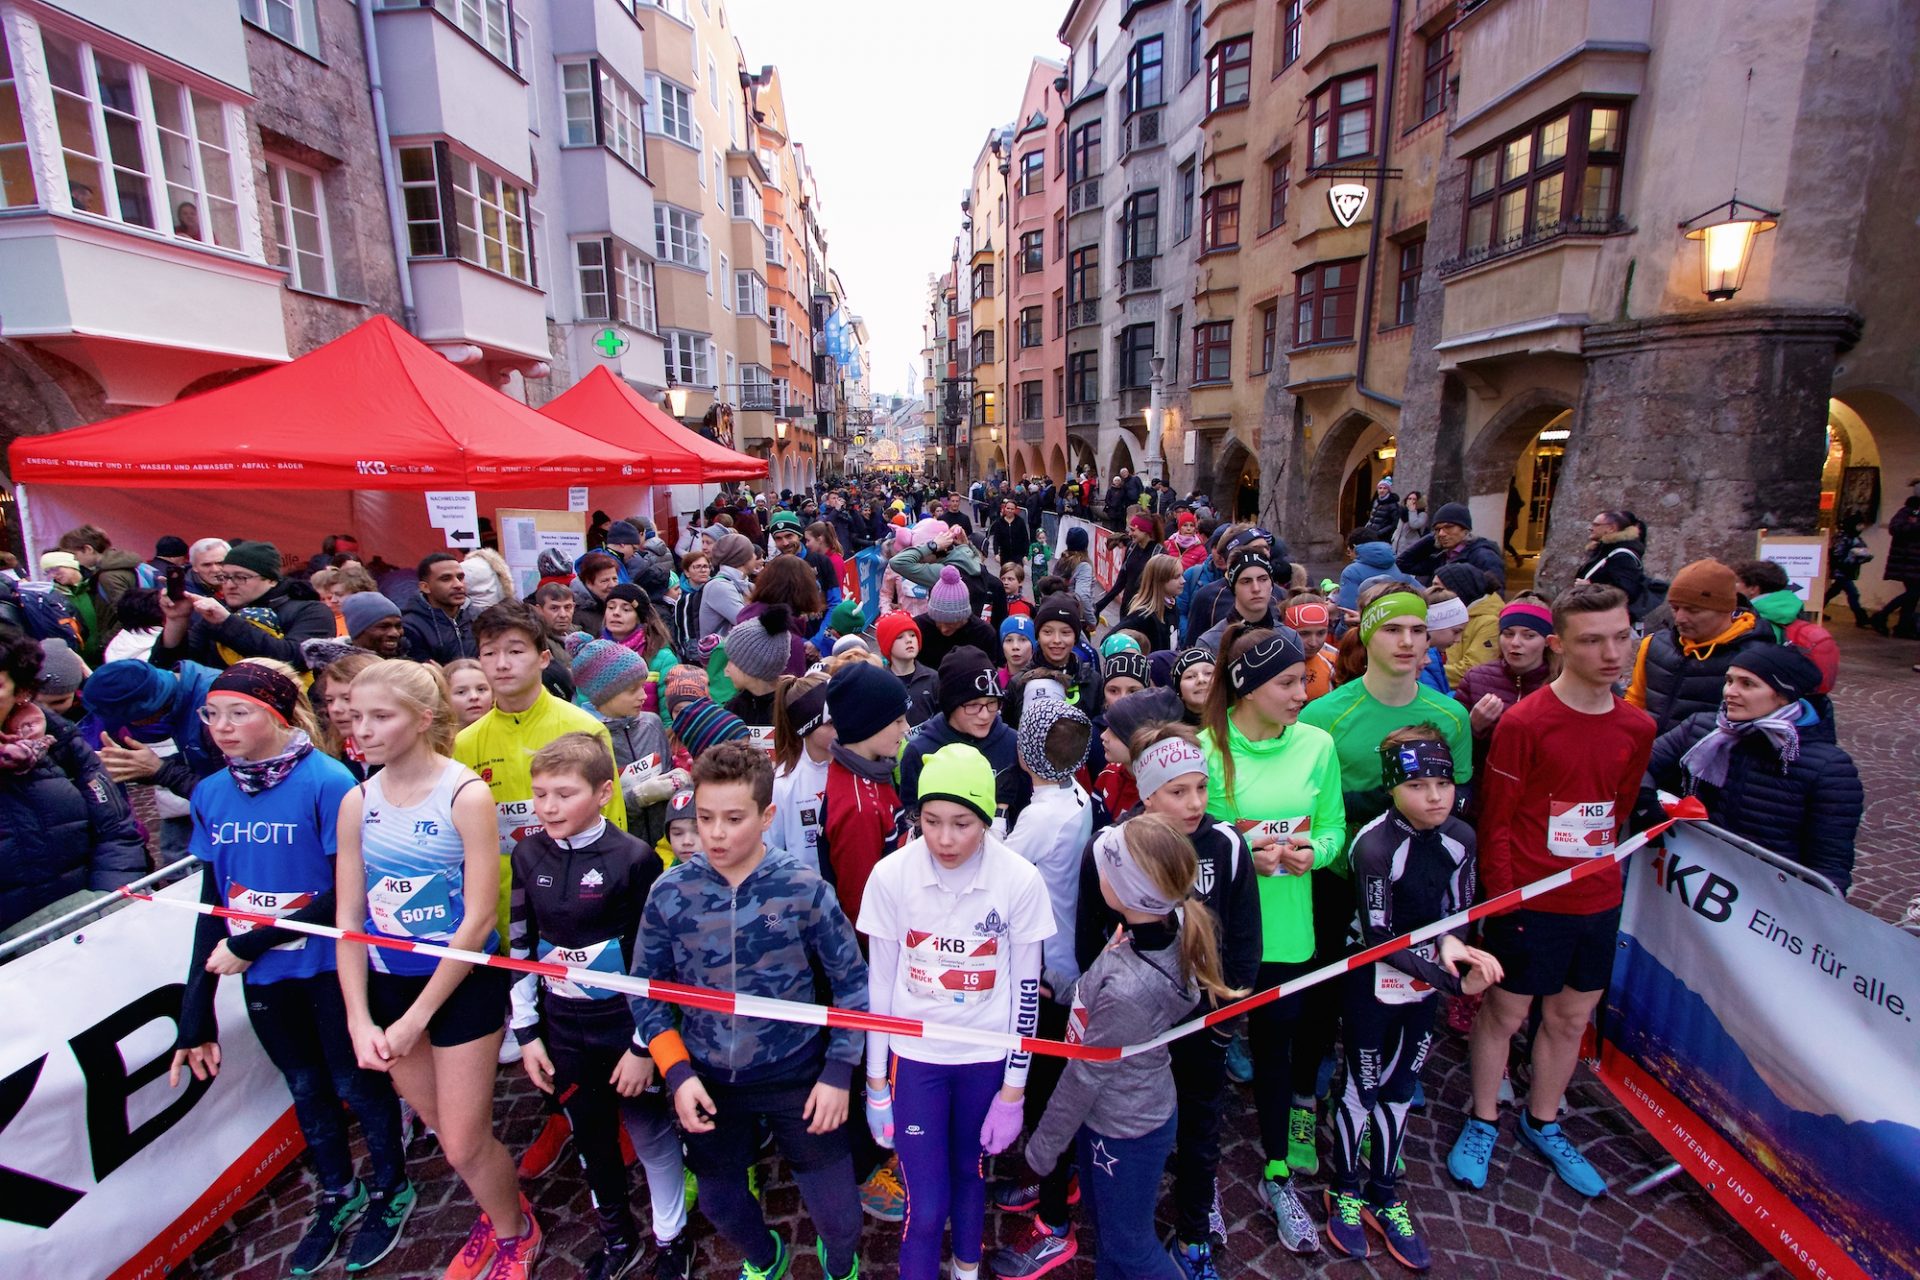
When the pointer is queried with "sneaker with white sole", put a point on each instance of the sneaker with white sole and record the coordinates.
(1037, 1252)
(1295, 1228)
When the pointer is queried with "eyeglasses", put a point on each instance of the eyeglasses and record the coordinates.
(238, 715)
(235, 577)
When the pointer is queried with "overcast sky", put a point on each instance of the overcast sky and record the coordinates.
(892, 100)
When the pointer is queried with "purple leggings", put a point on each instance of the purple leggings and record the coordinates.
(938, 1109)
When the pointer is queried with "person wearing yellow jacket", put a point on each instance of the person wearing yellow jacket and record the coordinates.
(1279, 782)
(1480, 641)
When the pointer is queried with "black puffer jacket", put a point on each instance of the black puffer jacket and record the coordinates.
(64, 827)
(1683, 680)
(1618, 560)
(1425, 558)
(1808, 811)
(1903, 546)
(299, 614)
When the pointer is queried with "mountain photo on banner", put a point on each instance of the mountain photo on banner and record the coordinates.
(1814, 1075)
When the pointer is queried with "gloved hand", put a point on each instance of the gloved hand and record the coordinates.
(1002, 1126)
(880, 1115)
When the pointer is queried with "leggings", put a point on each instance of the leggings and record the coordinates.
(582, 1071)
(1123, 1182)
(1333, 913)
(1042, 1078)
(302, 1024)
(1272, 1030)
(1387, 1044)
(821, 1162)
(1199, 1086)
(938, 1110)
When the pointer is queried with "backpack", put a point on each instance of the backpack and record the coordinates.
(37, 609)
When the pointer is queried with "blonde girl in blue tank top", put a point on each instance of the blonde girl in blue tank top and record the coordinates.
(419, 860)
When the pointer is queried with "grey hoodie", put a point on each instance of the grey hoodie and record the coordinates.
(1126, 996)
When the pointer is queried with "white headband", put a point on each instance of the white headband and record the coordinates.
(1042, 690)
(1164, 761)
(1131, 885)
(1448, 613)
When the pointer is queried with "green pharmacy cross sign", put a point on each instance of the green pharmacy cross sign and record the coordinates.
(610, 343)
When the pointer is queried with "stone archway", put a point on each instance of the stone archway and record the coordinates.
(1490, 458)
(1326, 525)
(1120, 456)
(1883, 430)
(1233, 500)
(1057, 464)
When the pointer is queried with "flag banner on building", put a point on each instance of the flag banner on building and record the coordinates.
(870, 566)
(1763, 1031)
(105, 1171)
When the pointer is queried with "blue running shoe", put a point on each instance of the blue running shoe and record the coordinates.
(1552, 1142)
(1239, 1061)
(1394, 1222)
(1472, 1152)
(1346, 1230)
(1194, 1260)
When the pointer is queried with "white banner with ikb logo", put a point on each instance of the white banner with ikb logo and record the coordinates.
(105, 1171)
(1763, 1030)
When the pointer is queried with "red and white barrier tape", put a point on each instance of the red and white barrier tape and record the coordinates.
(749, 1006)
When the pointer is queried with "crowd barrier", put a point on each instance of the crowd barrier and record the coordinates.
(88, 1029)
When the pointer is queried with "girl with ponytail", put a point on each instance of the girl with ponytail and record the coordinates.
(1121, 1113)
(1278, 781)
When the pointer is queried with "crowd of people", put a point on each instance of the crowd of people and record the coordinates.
(1010, 804)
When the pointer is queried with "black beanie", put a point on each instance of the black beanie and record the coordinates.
(966, 674)
(1059, 607)
(1785, 669)
(1466, 581)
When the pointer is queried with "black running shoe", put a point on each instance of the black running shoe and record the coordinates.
(617, 1258)
(387, 1213)
(331, 1217)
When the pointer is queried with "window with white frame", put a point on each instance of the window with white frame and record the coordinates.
(726, 273)
(745, 199)
(142, 149)
(16, 164)
(689, 358)
(623, 130)
(777, 321)
(783, 401)
(671, 108)
(487, 21)
(624, 293)
(713, 84)
(731, 381)
(576, 91)
(776, 245)
(291, 20)
(487, 224)
(300, 225)
(756, 387)
(719, 187)
(677, 238)
(749, 294)
(677, 8)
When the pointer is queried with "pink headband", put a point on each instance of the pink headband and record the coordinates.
(1143, 523)
(1525, 613)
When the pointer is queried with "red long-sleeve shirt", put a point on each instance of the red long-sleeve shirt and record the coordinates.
(1558, 788)
(864, 824)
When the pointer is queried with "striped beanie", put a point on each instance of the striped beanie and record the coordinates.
(602, 669)
(702, 723)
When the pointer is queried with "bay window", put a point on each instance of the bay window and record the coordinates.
(1229, 72)
(1143, 75)
(672, 112)
(16, 164)
(1557, 175)
(1033, 173)
(1343, 119)
(1220, 218)
(615, 282)
(601, 110)
(1136, 355)
(1140, 227)
(1324, 298)
(135, 147)
(1213, 352)
(677, 238)
(1083, 377)
(689, 358)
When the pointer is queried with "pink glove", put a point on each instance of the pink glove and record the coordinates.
(1004, 1120)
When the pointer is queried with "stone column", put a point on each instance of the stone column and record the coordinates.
(1710, 424)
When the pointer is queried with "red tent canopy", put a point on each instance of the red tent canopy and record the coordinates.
(375, 409)
(607, 408)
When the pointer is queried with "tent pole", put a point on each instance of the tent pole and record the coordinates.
(31, 565)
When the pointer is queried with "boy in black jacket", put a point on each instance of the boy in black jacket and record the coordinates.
(579, 886)
(1412, 865)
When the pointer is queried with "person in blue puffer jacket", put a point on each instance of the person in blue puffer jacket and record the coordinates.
(1372, 559)
(131, 704)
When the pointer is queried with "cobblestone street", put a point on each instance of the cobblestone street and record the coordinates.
(1526, 1224)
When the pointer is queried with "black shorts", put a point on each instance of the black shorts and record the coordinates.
(477, 1008)
(1546, 952)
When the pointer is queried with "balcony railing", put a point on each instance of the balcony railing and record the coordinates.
(1083, 415)
(1141, 130)
(1571, 228)
(1133, 400)
(1032, 430)
(1084, 312)
(1083, 195)
(1136, 275)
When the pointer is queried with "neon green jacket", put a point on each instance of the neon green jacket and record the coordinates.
(1291, 778)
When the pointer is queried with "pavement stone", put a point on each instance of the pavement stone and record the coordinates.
(1525, 1224)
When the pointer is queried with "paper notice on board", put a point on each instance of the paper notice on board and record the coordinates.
(453, 509)
(577, 497)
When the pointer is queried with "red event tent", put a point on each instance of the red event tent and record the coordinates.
(606, 407)
(375, 409)
(343, 439)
